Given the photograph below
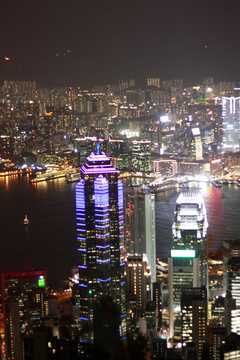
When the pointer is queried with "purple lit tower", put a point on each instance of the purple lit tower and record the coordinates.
(100, 236)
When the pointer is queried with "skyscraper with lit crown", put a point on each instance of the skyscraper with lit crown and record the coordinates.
(100, 236)
(190, 228)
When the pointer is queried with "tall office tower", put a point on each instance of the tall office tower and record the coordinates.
(183, 272)
(131, 218)
(231, 123)
(196, 146)
(194, 318)
(147, 231)
(140, 225)
(190, 228)
(138, 282)
(141, 155)
(23, 295)
(231, 249)
(100, 236)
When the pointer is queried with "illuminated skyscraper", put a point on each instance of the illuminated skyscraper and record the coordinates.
(138, 281)
(231, 123)
(190, 227)
(196, 146)
(188, 266)
(190, 221)
(140, 225)
(100, 236)
(183, 272)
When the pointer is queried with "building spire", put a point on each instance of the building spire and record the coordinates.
(97, 143)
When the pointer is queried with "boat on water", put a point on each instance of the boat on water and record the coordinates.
(26, 220)
(73, 177)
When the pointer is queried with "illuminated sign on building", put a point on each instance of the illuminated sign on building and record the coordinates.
(41, 281)
(183, 253)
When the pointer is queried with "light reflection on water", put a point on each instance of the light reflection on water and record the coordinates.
(49, 242)
(222, 215)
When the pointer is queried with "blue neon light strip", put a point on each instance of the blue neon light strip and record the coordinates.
(81, 238)
(120, 193)
(123, 315)
(82, 285)
(102, 221)
(123, 282)
(121, 247)
(102, 247)
(82, 266)
(122, 264)
(84, 250)
(103, 261)
(103, 235)
(83, 318)
(80, 194)
(101, 226)
(101, 280)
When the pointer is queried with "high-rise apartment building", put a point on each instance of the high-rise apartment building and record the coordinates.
(153, 82)
(231, 123)
(100, 236)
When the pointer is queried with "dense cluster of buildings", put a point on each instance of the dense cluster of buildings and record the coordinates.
(120, 296)
(136, 126)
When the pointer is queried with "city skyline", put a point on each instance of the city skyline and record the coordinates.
(103, 43)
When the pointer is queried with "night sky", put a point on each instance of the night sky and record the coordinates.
(104, 41)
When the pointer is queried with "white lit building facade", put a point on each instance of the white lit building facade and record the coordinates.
(231, 123)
